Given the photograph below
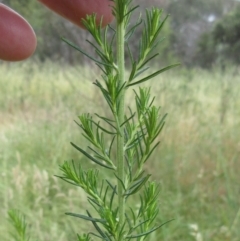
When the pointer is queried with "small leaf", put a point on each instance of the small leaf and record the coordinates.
(150, 231)
(153, 75)
(113, 187)
(131, 10)
(140, 71)
(151, 151)
(83, 52)
(130, 53)
(103, 235)
(87, 218)
(84, 237)
(106, 120)
(148, 60)
(137, 185)
(103, 129)
(91, 157)
(120, 181)
(130, 32)
(132, 74)
(127, 120)
(112, 197)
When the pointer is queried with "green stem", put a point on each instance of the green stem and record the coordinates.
(120, 117)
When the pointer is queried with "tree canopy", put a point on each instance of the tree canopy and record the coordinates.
(223, 42)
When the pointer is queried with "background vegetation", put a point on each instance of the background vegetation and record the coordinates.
(188, 33)
(197, 163)
(223, 42)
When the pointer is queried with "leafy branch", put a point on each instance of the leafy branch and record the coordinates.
(19, 224)
(121, 143)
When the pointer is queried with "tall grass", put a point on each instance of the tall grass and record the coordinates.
(197, 164)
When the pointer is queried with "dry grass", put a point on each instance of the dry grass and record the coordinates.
(197, 163)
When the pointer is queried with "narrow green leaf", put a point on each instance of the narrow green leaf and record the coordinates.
(113, 187)
(133, 216)
(131, 10)
(101, 68)
(128, 119)
(119, 90)
(104, 118)
(130, 53)
(107, 120)
(132, 74)
(148, 232)
(131, 31)
(153, 75)
(66, 180)
(103, 235)
(151, 151)
(112, 197)
(129, 165)
(148, 60)
(105, 194)
(93, 201)
(98, 155)
(103, 129)
(140, 175)
(86, 218)
(140, 71)
(139, 143)
(110, 147)
(159, 30)
(105, 94)
(99, 52)
(81, 51)
(139, 224)
(91, 157)
(159, 129)
(137, 185)
(129, 221)
(120, 181)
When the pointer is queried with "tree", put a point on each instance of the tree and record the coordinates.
(190, 19)
(223, 42)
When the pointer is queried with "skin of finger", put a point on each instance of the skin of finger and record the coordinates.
(75, 10)
(17, 38)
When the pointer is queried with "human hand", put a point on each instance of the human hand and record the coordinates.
(17, 38)
(75, 10)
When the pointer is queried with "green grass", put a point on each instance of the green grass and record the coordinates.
(197, 163)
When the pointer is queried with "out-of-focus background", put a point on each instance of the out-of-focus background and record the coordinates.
(198, 161)
(198, 33)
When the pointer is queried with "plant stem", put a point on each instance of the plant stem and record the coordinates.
(120, 117)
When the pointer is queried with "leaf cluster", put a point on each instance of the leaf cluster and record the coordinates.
(19, 224)
(140, 132)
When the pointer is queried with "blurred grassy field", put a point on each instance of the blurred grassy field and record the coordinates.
(197, 163)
